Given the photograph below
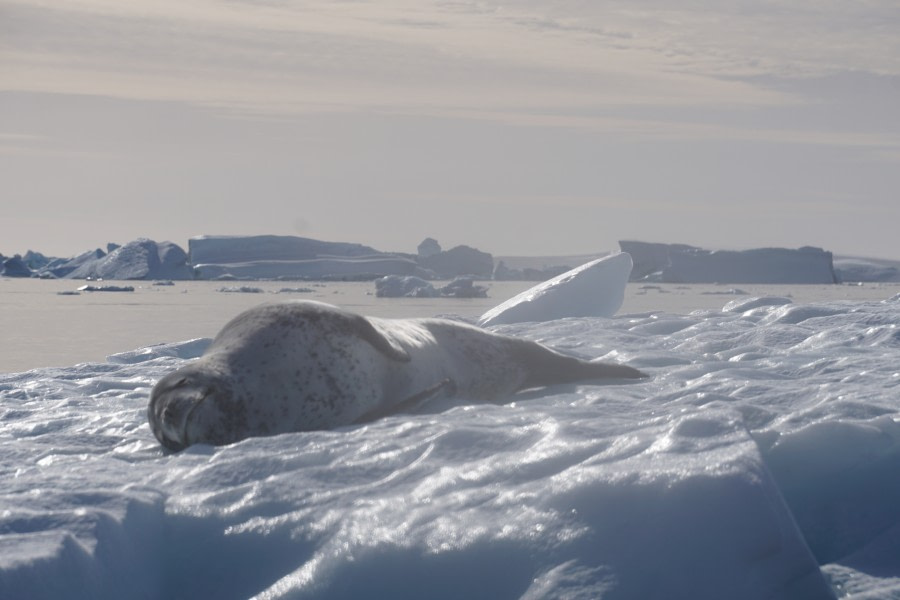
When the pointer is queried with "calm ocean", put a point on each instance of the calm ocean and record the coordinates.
(43, 328)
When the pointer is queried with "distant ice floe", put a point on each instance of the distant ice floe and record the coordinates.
(249, 289)
(241, 289)
(595, 289)
(395, 286)
(728, 292)
(106, 288)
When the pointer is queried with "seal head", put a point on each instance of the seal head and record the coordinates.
(195, 405)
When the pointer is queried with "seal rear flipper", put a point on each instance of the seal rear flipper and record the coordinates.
(607, 370)
(548, 367)
(445, 385)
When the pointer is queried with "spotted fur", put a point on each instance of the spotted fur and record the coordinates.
(302, 365)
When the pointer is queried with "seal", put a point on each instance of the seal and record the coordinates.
(304, 365)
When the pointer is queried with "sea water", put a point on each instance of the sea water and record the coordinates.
(50, 323)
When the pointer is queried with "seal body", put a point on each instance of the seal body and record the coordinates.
(303, 365)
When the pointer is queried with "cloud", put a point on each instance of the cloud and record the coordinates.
(694, 69)
(307, 56)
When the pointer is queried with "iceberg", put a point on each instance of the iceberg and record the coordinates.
(762, 265)
(394, 286)
(140, 259)
(14, 267)
(289, 257)
(64, 267)
(358, 268)
(463, 287)
(458, 261)
(595, 289)
(650, 258)
(852, 269)
(428, 247)
(680, 263)
(221, 249)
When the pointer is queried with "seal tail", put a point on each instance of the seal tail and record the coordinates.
(548, 367)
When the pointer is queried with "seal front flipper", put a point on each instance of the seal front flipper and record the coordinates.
(378, 340)
(445, 385)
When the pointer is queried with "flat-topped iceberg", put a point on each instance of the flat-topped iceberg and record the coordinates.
(854, 269)
(762, 265)
(680, 263)
(289, 257)
(216, 249)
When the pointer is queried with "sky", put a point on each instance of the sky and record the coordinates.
(528, 127)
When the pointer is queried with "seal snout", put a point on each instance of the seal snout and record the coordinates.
(173, 402)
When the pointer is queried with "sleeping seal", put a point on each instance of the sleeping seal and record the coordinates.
(302, 365)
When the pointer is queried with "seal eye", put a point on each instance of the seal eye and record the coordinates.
(181, 382)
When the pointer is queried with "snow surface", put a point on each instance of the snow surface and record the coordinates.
(595, 289)
(760, 460)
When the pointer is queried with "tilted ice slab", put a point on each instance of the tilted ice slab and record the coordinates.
(760, 460)
(595, 289)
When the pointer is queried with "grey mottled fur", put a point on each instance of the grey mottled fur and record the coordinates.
(301, 365)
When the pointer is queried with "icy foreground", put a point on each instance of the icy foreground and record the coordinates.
(761, 460)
